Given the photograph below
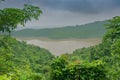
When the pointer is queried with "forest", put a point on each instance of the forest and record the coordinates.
(20, 61)
(91, 30)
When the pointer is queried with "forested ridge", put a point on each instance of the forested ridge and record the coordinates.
(20, 61)
(90, 30)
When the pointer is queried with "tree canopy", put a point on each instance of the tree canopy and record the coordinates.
(10, 18)
(113, 29)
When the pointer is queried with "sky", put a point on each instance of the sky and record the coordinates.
(59, 13)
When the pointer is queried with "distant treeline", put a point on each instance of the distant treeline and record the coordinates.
(91, 30)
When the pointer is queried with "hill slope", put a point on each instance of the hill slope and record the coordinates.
(90, 30)
(22, 61)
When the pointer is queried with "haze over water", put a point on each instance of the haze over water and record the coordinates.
(64, 46)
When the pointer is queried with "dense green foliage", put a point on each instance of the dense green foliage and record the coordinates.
(11, 17)
(91, 30)
(113, 29)
(64, 70)
(108, 51)
(20, 61)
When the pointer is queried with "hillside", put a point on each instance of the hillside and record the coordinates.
(20, 61)
(90, 30)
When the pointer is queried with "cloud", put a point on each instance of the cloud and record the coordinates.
(81, 6)
(68, 12)
(69, 5)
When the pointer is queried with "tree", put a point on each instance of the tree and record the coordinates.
(115, 56)
(113, 29)
(58, 68)
(62, 70)
(11, 17)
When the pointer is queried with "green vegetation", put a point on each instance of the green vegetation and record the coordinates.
(91, 30)
(108, 51)
(100, 62)
(11, 17)
(67, 70)
(20, 61)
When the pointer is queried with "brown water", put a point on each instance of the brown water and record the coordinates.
(63, 46)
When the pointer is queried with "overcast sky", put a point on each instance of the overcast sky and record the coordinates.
(58, 13)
